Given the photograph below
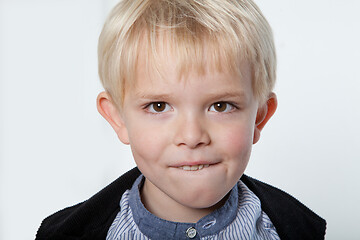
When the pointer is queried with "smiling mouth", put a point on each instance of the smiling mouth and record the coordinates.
(194, 167)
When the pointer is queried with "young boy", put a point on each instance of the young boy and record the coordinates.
(188, 85)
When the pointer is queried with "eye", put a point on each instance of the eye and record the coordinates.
(221, 107)
(158, 107)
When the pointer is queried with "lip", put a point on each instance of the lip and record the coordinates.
(193, 163)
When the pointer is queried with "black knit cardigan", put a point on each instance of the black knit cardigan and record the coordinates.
(92, 219)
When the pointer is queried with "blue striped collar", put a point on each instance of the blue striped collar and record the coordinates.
(157, 228)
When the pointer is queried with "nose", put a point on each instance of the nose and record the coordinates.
(191, 131)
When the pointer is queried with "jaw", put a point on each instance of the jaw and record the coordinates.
(185, 202)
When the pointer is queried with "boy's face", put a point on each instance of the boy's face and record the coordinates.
(191, 138)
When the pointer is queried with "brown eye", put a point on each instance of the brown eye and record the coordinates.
(158, 107)
(220, 106)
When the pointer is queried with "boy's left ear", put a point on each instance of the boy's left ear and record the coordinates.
(263, 115)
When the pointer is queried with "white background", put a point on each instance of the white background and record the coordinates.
(56, 150)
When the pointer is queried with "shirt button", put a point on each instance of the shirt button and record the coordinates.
(191, 232)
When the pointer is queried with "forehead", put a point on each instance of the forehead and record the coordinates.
(168, 79)
(169, 56)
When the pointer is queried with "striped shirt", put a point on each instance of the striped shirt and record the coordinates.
(240, 217)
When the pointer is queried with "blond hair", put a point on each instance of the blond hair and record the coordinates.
(233, 31)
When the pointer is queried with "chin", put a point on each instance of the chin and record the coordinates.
(201, 200)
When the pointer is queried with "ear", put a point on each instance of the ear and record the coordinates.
(109, 111)
(264, 113)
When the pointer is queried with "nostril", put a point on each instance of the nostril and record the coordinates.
(191, 132)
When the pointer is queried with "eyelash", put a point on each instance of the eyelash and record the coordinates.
(233, 107)
(167, 108)
(147, 107)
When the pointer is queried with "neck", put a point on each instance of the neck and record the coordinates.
(164, 207)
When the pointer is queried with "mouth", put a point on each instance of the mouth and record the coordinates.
(194, 167)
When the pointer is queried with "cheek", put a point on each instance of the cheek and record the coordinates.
(146, 143)
(238, 139)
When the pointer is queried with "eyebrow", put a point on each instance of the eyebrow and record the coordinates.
(165, 97)
(231, 94)
(155, 97)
